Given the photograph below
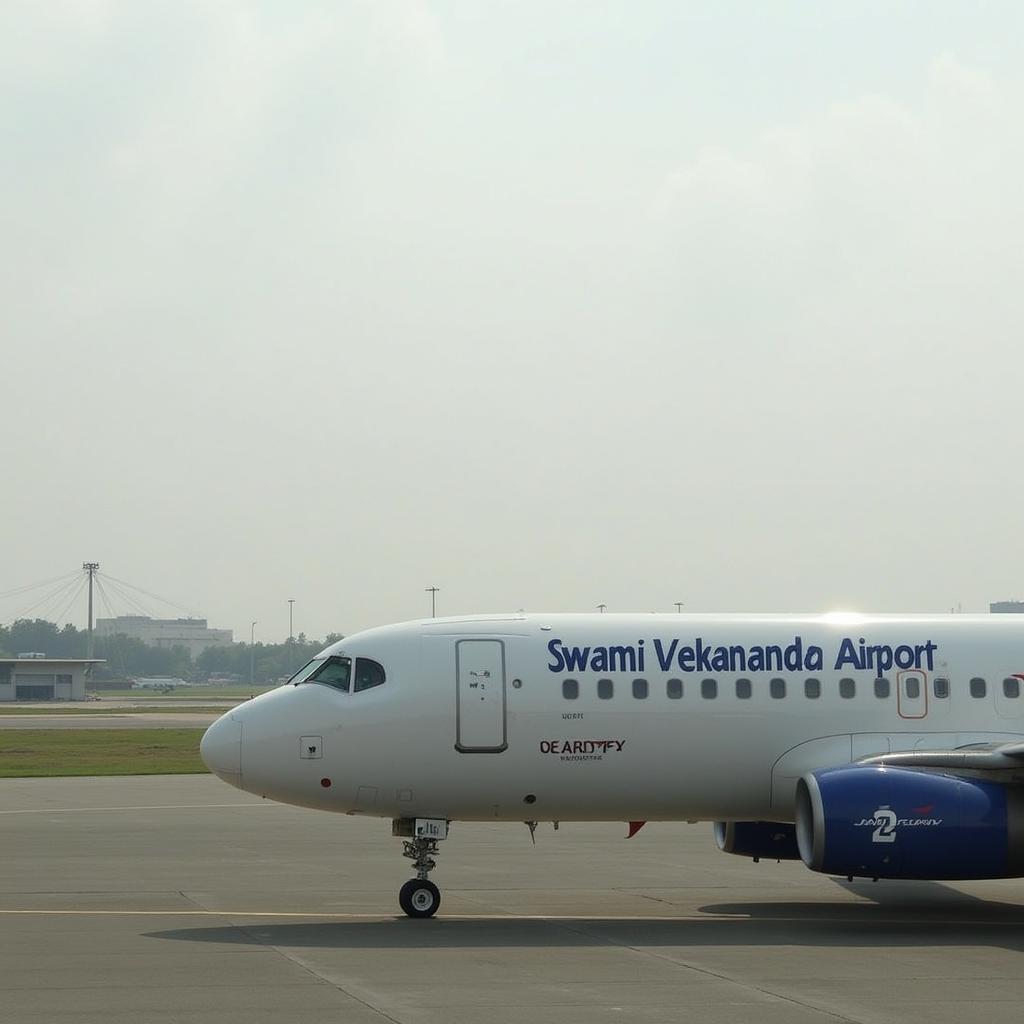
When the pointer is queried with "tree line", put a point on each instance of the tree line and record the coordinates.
(127, 657)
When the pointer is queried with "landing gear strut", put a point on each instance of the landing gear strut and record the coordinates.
(419, 897)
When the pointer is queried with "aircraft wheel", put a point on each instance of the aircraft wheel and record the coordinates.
(419, 898)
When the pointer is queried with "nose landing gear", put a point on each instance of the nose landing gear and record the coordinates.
(419, 897)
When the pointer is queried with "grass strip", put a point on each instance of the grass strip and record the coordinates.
(35, 753)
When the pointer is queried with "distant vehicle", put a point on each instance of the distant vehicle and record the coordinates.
(223, 678)
(158, 683)
(31, 654)
(868, 746)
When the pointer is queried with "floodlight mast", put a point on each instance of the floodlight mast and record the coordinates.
(90, 568)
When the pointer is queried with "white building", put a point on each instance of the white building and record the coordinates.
(1007, 607)
(192, 634)
(40, 678)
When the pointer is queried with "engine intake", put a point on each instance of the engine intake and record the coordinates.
(873, 821)
(757, 839)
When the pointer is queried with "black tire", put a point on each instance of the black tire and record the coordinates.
(419, 898)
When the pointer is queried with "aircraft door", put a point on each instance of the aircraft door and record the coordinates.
(480, 723)
(912, 693)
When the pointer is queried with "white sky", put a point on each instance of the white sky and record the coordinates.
(547, 304)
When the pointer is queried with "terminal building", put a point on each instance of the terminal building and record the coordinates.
(1007, 607)
(192, 634)
(36, 677)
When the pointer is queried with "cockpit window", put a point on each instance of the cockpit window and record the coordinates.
(306, 671)
(334, 672)
(368, 674)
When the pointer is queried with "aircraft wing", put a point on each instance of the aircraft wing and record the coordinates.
(976, 758)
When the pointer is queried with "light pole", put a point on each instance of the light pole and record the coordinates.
(601, 608)
(291, 619)
(91, 568)
(432, 591)
(679, 606)
(252, 650)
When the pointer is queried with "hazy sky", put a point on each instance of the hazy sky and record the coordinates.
(547, 304)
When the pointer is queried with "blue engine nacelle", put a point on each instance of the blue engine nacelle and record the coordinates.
(772, 839)
(878, 822)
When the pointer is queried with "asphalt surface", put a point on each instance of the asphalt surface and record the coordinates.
(127, 720)
(124, 713)
(180, 899)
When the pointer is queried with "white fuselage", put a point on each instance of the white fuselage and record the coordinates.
(476, 719)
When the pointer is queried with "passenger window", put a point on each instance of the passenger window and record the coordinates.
(882, 688)
(847, 688)
(640, 689)
(912, 686)
(812, 689)
(777, 689)
(978, 687)
(334, 672)
(605, 689)
(570, 689)
(940, 687)
(1011, 687)
(743, 689)
(368, 674)
(709, 689)
(674, 689)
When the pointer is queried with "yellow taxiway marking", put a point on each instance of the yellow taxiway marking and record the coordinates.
(554, 918)
(369, 915)
(178, 913)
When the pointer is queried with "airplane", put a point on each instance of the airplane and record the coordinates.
(864, 745)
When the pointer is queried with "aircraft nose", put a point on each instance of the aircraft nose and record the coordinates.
(221, 748)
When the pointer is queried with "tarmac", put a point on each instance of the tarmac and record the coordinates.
(118, 713)
(125, 720)
(164, 899)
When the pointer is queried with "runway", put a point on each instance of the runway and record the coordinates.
(171, 898)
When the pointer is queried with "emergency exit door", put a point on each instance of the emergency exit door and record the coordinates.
(912, 694)
(480, 696)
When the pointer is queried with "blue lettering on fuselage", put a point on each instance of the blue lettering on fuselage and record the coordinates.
(615, 658)
(861, 655)
(701, 656)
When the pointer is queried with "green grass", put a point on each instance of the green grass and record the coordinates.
(26, 753)
(118, 710)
